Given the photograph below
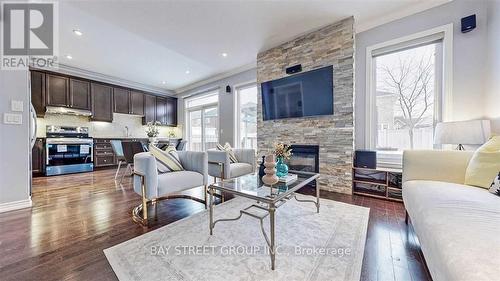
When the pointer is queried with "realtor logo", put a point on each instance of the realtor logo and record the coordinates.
(28, 35)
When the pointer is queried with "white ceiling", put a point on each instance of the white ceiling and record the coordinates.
(153, 41)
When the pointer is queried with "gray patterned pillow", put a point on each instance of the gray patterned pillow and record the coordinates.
(227, 148)
(495, 185)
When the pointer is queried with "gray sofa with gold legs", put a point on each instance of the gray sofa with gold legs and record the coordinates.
(154, 187)
(220, 166)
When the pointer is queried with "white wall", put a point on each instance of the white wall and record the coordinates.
(14, 140)
(469, 57)
(226, 101)
(493, 72)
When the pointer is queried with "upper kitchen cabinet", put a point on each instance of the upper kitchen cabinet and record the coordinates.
(166, 111)
(67, 92)
(172, 111)
(57, 90)
(161, 110)
(38, 92)
(136, 103)
(102, 102)
(149, 109)
(79, 94)
(121, 98)
(102, 99)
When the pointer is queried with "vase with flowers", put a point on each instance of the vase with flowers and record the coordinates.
(283, 152)
(152, 131)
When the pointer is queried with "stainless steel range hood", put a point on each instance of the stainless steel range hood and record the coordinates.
(67, 111)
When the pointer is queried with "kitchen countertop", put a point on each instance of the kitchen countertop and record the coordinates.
(129, 138)
(125, 138)
(119, 138)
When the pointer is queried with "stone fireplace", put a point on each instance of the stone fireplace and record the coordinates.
(305, 159)
(332, 134)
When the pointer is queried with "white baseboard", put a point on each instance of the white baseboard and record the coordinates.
(11, 206)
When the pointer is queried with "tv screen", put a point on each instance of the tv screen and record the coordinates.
(305, 94)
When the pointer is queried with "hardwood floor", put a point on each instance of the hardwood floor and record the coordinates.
(75, 217)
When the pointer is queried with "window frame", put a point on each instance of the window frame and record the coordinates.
(238, 88)
(390, 159)
(188, 110)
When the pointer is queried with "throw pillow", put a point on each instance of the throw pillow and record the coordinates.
(495, 185)
(166, 160)
(227, 147)
(484, 164)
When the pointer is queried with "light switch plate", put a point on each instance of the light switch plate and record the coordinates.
(13, 118)
(16, 105)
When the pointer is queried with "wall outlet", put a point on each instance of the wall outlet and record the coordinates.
(13, 118)
(16, 105)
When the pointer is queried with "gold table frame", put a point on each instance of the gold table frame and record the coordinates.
(269, 204)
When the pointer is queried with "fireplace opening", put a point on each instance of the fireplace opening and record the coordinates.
(305, 158)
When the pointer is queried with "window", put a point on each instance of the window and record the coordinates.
(202, 115)
(406, 96)
(246, 116)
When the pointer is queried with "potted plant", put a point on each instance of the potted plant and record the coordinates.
(152, 131)
(171, 134)
(283, 152)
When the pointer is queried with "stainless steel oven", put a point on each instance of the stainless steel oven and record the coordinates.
(69, 150)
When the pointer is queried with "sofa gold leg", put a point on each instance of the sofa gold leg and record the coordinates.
(205, 191)
(144, 202)
(140, 213)
(142, 207)
(222, 179)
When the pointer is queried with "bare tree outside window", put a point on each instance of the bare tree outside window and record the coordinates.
(405, 98)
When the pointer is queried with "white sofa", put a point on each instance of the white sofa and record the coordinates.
(458, 226)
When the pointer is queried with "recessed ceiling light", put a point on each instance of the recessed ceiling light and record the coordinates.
(69, 57)
(224, 55)
(187, 71)
(77, 32)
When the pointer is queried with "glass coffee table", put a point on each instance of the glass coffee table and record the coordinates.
(267, 199)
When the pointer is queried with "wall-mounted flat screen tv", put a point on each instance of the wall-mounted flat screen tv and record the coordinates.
(305, 94)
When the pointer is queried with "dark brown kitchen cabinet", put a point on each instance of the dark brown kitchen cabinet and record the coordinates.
(103, 153)
(149, 109)
(102, 102)
(171, 111)
(79, 94)
(166, 111)
(121, 100)
(161, 110)
(57, 90)
(38, 157)
(38, 92)
(136, 103)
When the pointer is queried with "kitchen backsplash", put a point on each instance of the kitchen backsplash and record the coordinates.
(116, 129)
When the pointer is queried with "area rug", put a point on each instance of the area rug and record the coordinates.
(311, 246)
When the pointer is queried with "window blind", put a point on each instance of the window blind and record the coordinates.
(426, 40)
